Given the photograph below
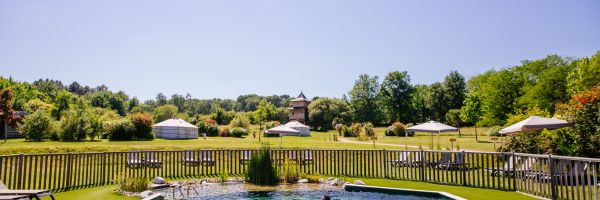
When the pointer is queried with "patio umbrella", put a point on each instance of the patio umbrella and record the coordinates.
(431, 127)
(535, 123)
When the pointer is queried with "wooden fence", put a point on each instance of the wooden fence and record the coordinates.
(555, 177)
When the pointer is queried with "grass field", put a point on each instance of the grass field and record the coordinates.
(106, 192)
(317, 140)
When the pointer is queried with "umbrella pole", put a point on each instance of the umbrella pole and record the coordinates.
(431, 148)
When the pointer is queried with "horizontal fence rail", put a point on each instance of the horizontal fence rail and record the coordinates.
(555, 177)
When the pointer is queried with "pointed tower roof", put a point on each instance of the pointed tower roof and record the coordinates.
(301, 97)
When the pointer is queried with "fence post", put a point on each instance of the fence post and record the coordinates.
(462, 169)
(103, 169)
(514, 171)
(20, 172)
(68, 171)
(385, 163)
(552, 178)
(422, 169)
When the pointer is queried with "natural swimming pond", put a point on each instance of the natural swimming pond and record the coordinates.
(218, 191)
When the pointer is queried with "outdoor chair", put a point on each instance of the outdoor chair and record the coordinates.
(402, 161)
(245, 157)
(151, 160)
(133, 160)
(566, 172)
(307, 157)
(207, 159)
(6, 193)
(457, 163)
(507, 169)
(446, 157)
(189, 159)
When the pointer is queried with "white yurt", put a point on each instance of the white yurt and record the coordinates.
(175, 129)
(303, 130)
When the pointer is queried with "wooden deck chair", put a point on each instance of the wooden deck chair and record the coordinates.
(444, 160)
(507, 169)
(567, 170)
(403, 160)
(133, 160)
(189, 158)
(456, 163)
(14, 197)
(245, 157)
(151, 160)
(206, 158)
(17, 194)
(307, 157)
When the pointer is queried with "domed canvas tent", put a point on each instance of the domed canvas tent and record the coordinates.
(175, 129)
(303, 130)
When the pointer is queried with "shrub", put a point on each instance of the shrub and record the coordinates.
(238, 132)
(224, 176)
(224, 132)
(289, 172)
(338, 128)
(398, 129)
(260, 169)
(142, 126)
(75, 126)
(529, 142)
(37, 126)
(355, 129)
(212, 130)
(362, 136)
(583, 110)
(345, 131)
(240, 120)
(368, 130)
(134, 184)
(120, 130)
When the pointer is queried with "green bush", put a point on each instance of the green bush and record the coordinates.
(75, 126)
(261, 170)
(120, 130)
(368, 130)
(398, 129)
(142, 126)
(238, 132)
(37, 126)
(224, 132)
(240, 120)
(134, 184)
(290, 172)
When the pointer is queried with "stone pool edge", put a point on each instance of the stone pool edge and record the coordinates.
(365, 188)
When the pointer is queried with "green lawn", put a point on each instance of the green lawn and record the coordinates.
(317, 140)
(106, 192)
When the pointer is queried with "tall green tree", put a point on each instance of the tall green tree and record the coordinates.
(363, 99)
(421, 112)
(323, 111)
(455, 89)
(586, 74)
(396, 95)
(437, 101)
(161, 99)
(472, 111)
(453, 117)
(165, 112)
(6, 110)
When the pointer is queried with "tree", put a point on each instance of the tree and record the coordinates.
(453, 117)
(240, 120)
(437, 101)
(62, 103)
(471, 112)
(165, 112)
(6, 110)
(35, 105)
(583, 110)
(323, 111)
(142, 126)
(161, 99)
(396, 95)
(133, 103)
(363, 99)
(37, 126)
(421, 112)
(455, 89)
(178, 101)
(586, 74)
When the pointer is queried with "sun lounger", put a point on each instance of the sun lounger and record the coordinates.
(456, 163)
(402, 161)
(306, 157)
(151, 160)
(133, 160)
(31, 194)
(14, 197)
(507, 169)
(446, 157)
(189, 158)
(245, 157)
(207, 159)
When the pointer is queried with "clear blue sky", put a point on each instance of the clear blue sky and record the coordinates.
(225, 48)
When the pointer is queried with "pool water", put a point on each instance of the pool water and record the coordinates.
(217, 191)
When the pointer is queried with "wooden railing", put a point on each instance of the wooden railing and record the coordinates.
(555, 177)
